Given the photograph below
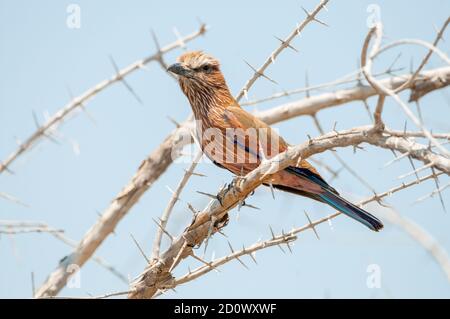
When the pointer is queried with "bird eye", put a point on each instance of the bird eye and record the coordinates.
(206, 68)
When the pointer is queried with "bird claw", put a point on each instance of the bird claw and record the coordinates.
(232, 186)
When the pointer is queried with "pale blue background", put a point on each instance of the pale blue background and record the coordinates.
(40, 57)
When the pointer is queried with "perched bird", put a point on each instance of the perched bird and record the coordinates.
(238, 141)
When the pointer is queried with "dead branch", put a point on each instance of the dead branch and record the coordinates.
(286, 43)
(80, 101)
(317, 103)
(149, 171)
(163, 156)
(157, 275)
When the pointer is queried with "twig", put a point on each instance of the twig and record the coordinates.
(166, 214)
(81, 100)
(331, 99)
(426, 58)
(13, 199)
(377, 85)
(163, 156)
(147, 283)
(284, 44)
(416, 232)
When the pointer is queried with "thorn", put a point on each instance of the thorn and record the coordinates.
(252, 256)
(88, 114)
(366, 106)
(210, 230)
(178, 256)
(181, 43)
(416, 171)
(209, 264)
(311, 225)
(404, 129)
(51, 138)
(377, 198)
(155, 40)
(36, 122)
(390, 68)
(246, 94)
(171, 119)
(272, 190)
(237, 258)
(419, 111)
(396, 159)
(281, 248)
(192, 209)
(287, 242)
(250, 206)
(163, 230)
(334, 128)
(207, 194)
(432, 193)
(140, 249)
(240, 204)
(437, 31)
(173, 192)
(314, 18)
(13, 199)
(4, 167)
(271, 231)
(222, 233)
(285, 44)
(125, 83)
(414, 167)
(310, 141)
(196, 174)
(260, 73)
(436, 181)
(160, 53)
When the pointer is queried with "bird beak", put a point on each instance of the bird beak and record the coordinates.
(179, 69)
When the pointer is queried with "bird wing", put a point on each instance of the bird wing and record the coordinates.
(268, 141)
(271, 143)
(236, 117)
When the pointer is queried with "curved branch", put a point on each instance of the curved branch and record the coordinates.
(80, 101)
(323, 101)
(149, 171)
(157, 274)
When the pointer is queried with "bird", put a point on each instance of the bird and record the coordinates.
(236, 140)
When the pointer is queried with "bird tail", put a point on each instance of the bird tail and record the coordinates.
(351, 210)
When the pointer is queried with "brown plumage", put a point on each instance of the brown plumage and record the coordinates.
(237, 141)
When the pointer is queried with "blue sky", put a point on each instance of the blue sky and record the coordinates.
(40, 58)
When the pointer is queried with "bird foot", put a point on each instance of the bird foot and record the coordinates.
(233, 186)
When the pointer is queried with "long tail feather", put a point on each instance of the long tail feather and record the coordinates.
(351, 210)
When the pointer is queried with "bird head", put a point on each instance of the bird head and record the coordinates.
(197, 70)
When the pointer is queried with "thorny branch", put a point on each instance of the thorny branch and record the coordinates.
(366, 63)
(163, 156)
(257, 74)
(414, 230)
(284, 44)
(157, 275)
(12, 227)
(80, 102)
